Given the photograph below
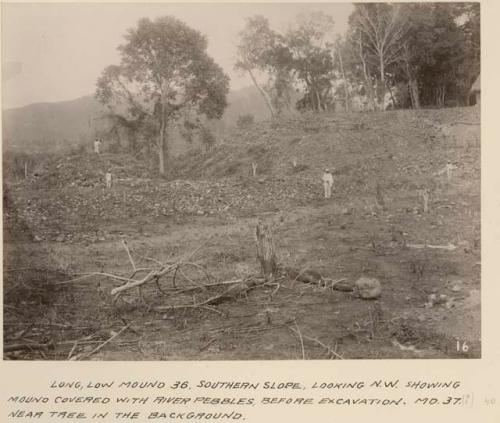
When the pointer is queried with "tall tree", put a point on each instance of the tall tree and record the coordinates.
(310, 42)
(340, 57)
(256, 43)
(164, 69)
(382, 27)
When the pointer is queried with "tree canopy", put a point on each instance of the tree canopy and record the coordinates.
(402, 54)
(164, 71)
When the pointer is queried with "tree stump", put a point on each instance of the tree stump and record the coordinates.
(425, 198)
(379, 197)
(266, 252)
(254, 169)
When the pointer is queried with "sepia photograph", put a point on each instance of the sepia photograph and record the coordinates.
(253, 181)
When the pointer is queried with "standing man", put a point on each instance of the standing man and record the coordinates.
(327, 183)
(109, 179)
(97, 146)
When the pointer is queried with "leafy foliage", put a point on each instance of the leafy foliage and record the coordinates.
(244, 121)
(164, 72)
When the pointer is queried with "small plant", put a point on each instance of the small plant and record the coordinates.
(245, 121)
(207, 138)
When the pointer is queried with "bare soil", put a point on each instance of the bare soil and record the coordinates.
(53, 232)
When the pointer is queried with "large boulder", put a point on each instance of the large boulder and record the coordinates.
(367, 288)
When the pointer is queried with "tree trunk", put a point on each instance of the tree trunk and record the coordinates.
(263, 93)
(346, 91)
(161, 157)
(415, 98)
(382, 83)
(320, 107)
(161, 142)
(266, 253)
(412, 83)
(392, 97)
(368, 83)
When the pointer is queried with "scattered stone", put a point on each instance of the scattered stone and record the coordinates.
(368, 288)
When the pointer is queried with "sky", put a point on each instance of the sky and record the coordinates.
(55, 52)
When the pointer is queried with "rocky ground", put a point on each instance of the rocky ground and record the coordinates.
(63, 221)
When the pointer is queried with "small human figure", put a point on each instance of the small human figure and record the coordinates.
(449, 169)
(97, 146)
(109, 180)
(327, 179)
(425, 197)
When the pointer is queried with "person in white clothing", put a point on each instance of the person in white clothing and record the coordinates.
(109, 179)
(327, 183)
(97, 146)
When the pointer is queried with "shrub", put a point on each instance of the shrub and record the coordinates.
(245, 121)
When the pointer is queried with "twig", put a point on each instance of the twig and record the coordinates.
(191, 254)
(208, 301)
(128, 253)
(72, 350)
(99, 347)
(131, 283)
(301, 339)
(337, 282)
(328, 348)
(25, 346)
(18, 269)
(107, 275)
(213, 309)
(203, 347)
(469, 123)
(151, 259)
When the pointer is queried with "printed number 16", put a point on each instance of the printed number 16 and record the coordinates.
(462, 346)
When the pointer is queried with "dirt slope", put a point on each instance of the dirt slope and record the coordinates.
(74, 225)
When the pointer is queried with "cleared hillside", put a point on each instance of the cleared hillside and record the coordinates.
(66, 221)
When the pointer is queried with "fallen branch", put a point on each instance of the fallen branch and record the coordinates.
(133, 283)
(26, 346)
(106, 275)
(233, 291)
(128, 253)
(99, 347)
(449, 247)
(330, 350)
(468, 123)
(72, 350)
(301, 339)
(306, 275)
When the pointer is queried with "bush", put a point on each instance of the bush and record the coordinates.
(245, 121)
(207, 138)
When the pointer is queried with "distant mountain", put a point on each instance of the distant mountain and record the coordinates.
(50, 126)
(66, 124)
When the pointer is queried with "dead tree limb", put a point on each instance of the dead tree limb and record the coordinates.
(100, 346)
(301, 339)
(330, 350)
(128, 253)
